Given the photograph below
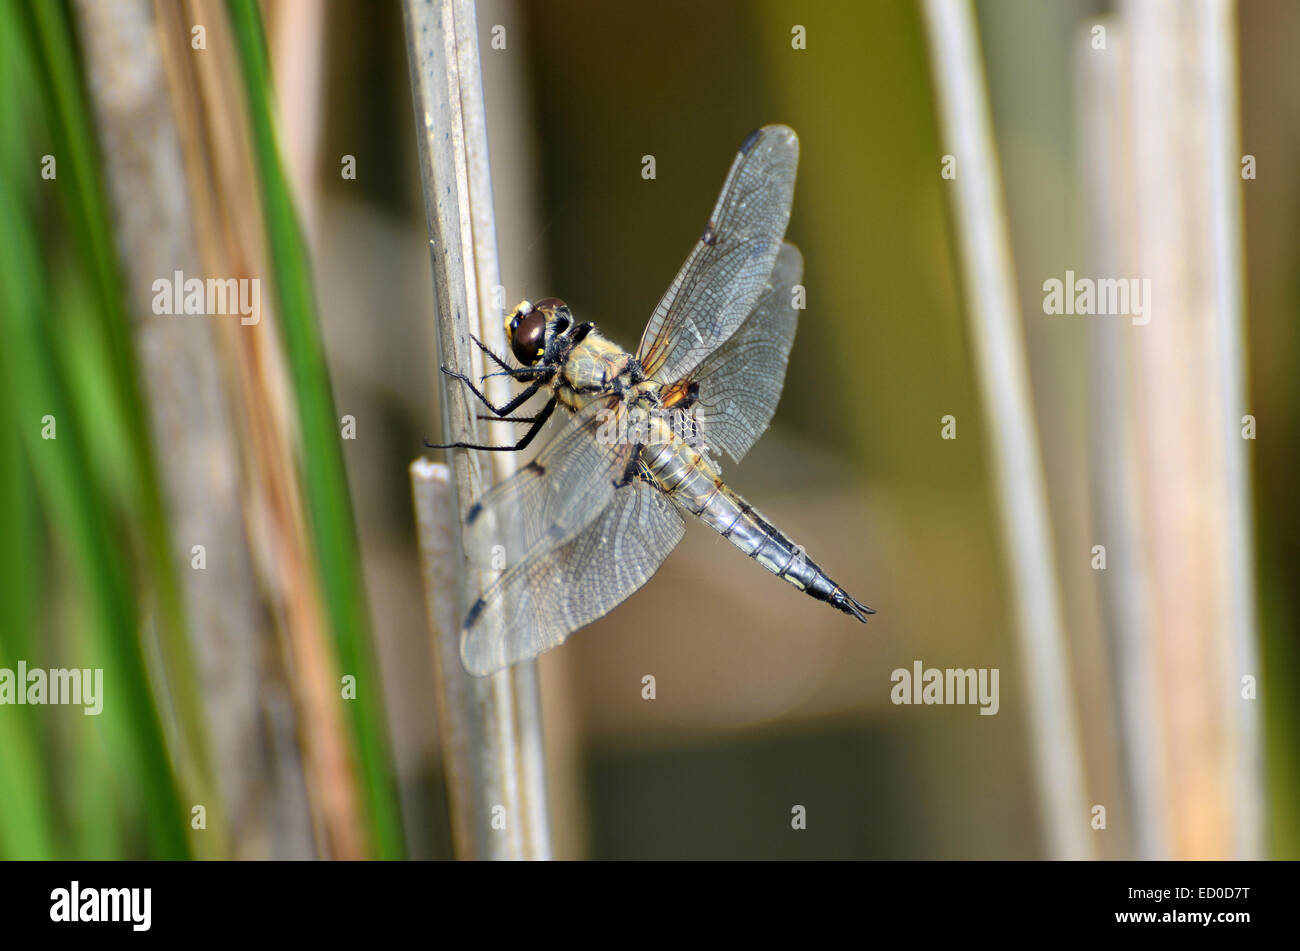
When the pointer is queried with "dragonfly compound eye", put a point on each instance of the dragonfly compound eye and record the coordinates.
(529, 333)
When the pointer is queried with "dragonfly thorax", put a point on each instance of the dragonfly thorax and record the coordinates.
(594, 369)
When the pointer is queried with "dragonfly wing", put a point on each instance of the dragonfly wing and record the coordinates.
(740, 383)
(553, 497)
(550, 594)
(723, 276)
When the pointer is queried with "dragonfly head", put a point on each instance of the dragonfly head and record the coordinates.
(531, 327)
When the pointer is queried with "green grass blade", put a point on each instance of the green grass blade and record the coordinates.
(325, 479)
(26, 823)
(34, 383)
(34, 387)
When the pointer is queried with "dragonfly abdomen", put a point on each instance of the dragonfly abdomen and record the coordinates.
(687, 478)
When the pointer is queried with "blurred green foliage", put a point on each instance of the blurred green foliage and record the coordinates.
(67, 364)
(85, 555)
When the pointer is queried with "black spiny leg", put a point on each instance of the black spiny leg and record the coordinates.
(505, 410)
(495, 359)
(538, 422)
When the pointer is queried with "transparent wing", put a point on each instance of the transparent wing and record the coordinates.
(550, 594)
(722, 278)
(553, 497)
(740, 383)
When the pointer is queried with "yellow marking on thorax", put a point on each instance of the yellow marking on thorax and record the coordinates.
(596, 362)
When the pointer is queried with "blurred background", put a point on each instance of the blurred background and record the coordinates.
(285, 147)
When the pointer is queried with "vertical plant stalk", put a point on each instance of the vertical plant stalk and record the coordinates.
(1189, 377)
(1218, 38)
(154, 223)
(297, 38)
(985, 251)
(491, 726)
(29, 821)
(1125, 589)
(322, 473)
(304, 730)
(436, 512)
(62, 476)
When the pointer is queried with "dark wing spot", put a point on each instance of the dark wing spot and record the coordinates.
(474, 612)
(474, 511)
(534, 467)
(749, 141)
(682, 394)
(710, 236)
(630, 473)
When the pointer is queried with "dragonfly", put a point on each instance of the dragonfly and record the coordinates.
(594, 515)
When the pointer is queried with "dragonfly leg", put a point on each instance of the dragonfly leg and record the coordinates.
(495, 359)
(538, 422)
(514, 404)
(518, 373)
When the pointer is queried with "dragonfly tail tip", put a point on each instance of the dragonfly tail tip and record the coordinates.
(851, 605)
